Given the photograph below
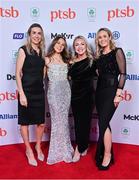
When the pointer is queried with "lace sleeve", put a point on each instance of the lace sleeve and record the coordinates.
(121, 61)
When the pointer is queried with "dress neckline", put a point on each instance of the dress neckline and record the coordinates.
(81, 60)
(63, 64)
(108, 53)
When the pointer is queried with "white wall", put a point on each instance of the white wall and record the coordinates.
(72, 18)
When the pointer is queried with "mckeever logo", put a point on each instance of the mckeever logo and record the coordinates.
(34, 12)
(91, 13)
(64, 35)
(131, 117)
(129, 56)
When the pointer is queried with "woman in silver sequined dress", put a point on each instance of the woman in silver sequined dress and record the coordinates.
(59, 96)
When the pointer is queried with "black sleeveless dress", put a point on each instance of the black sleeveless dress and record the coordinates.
(112, 75)
(82, 92)
(32, 82)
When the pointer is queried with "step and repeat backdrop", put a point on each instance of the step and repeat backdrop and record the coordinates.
(70, 18)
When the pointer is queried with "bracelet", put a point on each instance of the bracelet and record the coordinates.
(118, 95)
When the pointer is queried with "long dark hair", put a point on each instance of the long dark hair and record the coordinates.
(64, 53)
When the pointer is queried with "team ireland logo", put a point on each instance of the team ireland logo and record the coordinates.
(34, 12)
(91, 13)
(129, 56)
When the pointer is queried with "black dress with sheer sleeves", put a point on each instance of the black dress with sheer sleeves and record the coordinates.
(112, 75)
(82, 92)
(33, 87)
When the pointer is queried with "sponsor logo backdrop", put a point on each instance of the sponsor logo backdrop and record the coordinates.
(70, 18)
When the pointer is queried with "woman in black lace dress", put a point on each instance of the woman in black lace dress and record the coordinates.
(81, 73)
(111, 68)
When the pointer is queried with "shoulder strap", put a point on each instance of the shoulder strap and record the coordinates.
(25, 49)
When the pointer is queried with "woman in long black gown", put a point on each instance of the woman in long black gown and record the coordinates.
(111, 67)
(31, 101)
(81, 73)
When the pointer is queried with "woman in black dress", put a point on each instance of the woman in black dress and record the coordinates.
(111, 67)
(81, 73)
(29, 77)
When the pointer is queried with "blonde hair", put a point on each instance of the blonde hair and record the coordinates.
(99, 49)
(41, 44)
(88, 49)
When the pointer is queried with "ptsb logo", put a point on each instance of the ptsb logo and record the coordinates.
(8, 96)
(3, 132)
(9, 12)
(60, 15)
(120, 13)
(126, 96)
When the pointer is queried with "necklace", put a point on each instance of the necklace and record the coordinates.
(57, 59)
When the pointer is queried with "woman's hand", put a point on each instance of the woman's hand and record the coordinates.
(23, 99)
(117, 100)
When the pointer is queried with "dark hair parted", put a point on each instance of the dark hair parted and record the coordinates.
(64, 53)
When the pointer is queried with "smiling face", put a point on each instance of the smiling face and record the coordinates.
(59, 46)
(103, 39)
(36, 35)
(80, 46)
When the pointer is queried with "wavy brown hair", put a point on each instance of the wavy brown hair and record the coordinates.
(64, 53)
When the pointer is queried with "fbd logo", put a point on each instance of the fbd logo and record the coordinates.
(34, 12)
(91, 14)
(129, 56)
(116, 35)
(125, 131)
(14, 55)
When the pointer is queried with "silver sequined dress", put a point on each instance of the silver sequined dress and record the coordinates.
(59, 95)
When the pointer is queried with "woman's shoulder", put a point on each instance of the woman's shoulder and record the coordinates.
(23, 49)
(47, 60)
(118, 49)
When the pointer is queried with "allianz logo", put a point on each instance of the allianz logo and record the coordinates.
(8, 116)
(132, 77)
